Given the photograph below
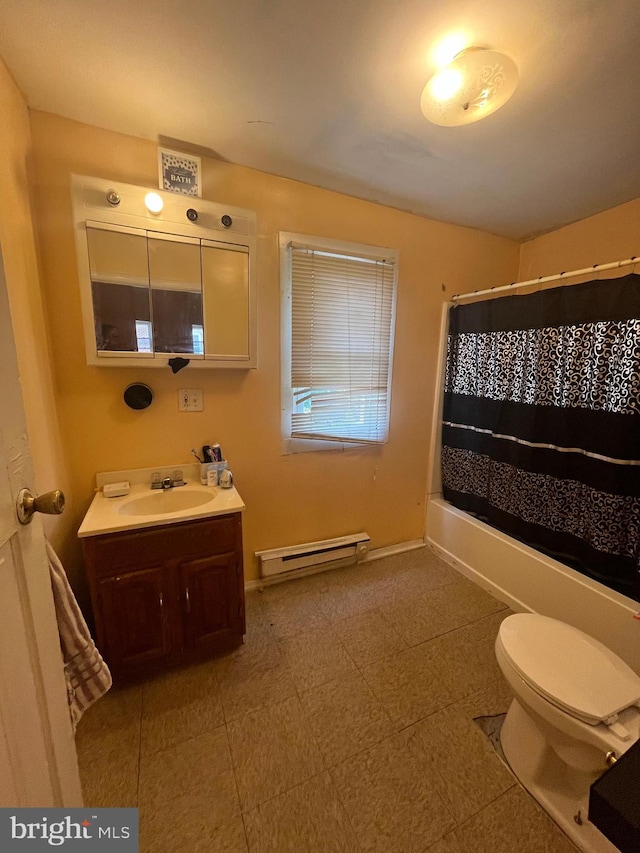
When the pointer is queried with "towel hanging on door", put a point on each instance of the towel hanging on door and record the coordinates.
(86, 674)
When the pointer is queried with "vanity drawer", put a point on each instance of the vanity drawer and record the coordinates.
(118, 552)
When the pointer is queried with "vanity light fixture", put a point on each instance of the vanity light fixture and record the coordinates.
(473, 85)
(153, 202)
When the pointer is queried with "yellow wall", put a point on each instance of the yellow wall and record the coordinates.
(613, 235)
(25, 297)
(290, 499)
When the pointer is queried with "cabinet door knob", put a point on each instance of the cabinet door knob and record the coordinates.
(161, 600)
(186, 595)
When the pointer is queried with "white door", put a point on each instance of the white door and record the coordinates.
(38, 764)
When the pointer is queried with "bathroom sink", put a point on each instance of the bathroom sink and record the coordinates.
(160, 503)
(145, 507)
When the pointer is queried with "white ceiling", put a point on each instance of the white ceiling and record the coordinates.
(328, 92)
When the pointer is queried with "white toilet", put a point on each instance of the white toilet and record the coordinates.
(576, 709)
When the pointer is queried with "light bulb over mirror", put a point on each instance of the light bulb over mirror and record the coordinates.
(153, 202)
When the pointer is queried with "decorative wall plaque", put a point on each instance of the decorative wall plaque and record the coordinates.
(179, 172)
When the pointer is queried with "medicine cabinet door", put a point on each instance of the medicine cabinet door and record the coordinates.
(225, 285)
(176, 294)
(120, 289)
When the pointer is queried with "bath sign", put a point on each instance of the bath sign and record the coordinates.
(179, 172)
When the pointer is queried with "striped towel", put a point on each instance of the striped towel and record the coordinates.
(87, 675)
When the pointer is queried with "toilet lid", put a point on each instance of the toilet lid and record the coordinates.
(569, 668)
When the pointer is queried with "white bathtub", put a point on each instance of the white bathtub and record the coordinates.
(529, 581)
(520, 576)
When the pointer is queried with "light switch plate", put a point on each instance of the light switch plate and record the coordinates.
(190, 400)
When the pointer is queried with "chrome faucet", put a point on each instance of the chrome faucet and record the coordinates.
(164, 483)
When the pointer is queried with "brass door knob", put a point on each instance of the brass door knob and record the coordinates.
(51, 503)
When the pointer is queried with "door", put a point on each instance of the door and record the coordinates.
(211, 605)
(38, 765)
(134, 619)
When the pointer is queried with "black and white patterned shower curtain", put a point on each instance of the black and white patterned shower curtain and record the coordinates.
(541, 423)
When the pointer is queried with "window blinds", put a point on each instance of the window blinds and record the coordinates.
(342, 311)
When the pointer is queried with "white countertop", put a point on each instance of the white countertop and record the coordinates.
(110, 515)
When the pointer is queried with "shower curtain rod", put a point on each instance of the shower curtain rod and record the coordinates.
(544, 278)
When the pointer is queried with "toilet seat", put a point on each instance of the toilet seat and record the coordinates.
(570, 669)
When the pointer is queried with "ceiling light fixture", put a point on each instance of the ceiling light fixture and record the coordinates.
(475, 84)
(153, 202)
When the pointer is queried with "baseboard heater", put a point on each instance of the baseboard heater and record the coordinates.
(343, 550)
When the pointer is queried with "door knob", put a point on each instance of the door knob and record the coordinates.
(51, 503)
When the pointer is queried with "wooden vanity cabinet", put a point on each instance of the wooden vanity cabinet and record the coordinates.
(168, 594)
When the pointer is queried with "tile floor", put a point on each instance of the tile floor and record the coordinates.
(344, 723)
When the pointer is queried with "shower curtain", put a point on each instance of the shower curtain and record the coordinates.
(541, 423)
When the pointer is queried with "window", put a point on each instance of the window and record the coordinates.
(143, 335)
(338, 311)
(197, 337)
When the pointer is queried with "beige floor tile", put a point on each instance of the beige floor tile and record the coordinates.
(290, 590)
(111, 726)
(464, 659)
(314, 658)
(192, 835)
(491, 700)
(254, 605)
(180, 705)
(419, 570)
(188, 789)
(118, 708)
(390, 802)
(462, 602)
(193, 679)
(352, 591)
(257, 625)
(292, 615)
(414, 617)
(348, 601)
(108, 747)
(296, 767)
(368, 637)
(345, 717)
(460, 759)
(257, 653)
(444, 846)
(242, 693)
(273, 750)
(408, 686)
(110, 781)
(513, 822)
(306, 819)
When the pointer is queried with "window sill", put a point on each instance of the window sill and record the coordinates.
(310, 445)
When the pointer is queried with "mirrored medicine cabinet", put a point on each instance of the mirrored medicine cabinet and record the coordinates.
(156, 286)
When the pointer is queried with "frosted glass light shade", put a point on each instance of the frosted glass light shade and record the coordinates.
(153, 202)
(487, 81)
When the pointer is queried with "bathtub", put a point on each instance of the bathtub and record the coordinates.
(528, 581)
(525, 579)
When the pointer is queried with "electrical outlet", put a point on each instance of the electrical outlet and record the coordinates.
(190, 400)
